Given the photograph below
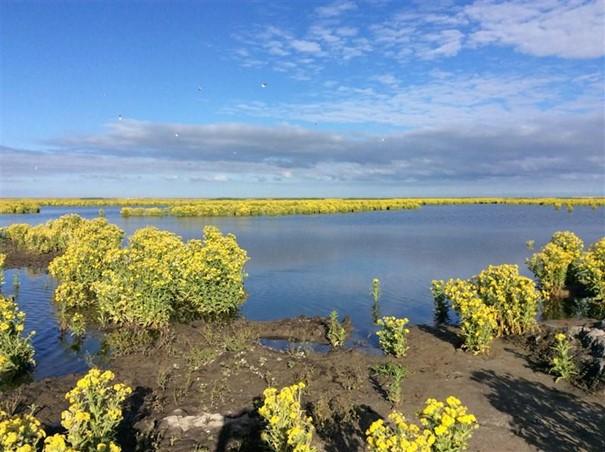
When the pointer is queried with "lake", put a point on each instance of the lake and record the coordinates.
(311, 265)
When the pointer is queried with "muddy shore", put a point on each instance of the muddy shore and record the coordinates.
(196, 387)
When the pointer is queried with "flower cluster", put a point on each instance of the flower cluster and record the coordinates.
(393, 336)
(2, 259)
(446, 426)
(551, 264)
(450, 423)
(563, 365)
(20, 433)
(49, 237)
(287, 426)
(18, 207)
(94, 412)
(514, 297)
(16, 351)
(588, 271)
(84, 261)
(496, 302)
(400, 437)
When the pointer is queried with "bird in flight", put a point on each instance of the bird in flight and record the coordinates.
(264, 84)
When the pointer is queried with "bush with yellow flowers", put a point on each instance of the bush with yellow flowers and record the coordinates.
(446, 426)
(139, 283)
(52, 236)
(287, 429)
(588, 272)
(450, 423)
(20, 433)
(2, 259)
(478, 322)
(19, 207)
(551, 264)
(392, 337)
(16, 351)
(211, 280)
(514, 297)
(562, 362)
(496, 302)
(94, 413)
(84, 261)
(400, 436)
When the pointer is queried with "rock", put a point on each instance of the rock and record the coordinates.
(176, 424)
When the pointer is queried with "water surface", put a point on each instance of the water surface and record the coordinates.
(310, 265)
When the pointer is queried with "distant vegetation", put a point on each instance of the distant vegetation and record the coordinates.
(190, 207)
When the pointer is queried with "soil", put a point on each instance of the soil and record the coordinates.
(222, 369)
(17, 257)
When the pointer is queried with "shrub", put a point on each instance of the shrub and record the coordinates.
(94, 412)
(51, 237)
(589, 271)
(563, 365)
(212, 280)
(20, 433)
(394, 373)
(393, 336)
(139, 283)
(84, 261)
(550, 265)
(514, 297)
(446, 427)
(16, 351)
(477, 320)
(450, 423)
(2, 259)
(287, 426)
(336, 332)
(498, 301)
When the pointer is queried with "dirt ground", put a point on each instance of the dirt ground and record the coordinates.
(209, 368)
(221, 370)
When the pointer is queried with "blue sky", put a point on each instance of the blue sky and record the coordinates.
(362, 98)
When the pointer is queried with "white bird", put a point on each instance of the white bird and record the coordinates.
(120, 117)
(176, 135)
(264, 84)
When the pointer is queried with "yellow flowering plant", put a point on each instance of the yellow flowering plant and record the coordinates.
(211, 282)
(16, 350)
(514, 298)
(84, 261)
(287, 428)
(95, 410)
(392, 336)
(562, 362)
(399, 436)
(588, 272)
(551, 264)
(50, 237)
(450, 423)
(20, 433)
(2, 259)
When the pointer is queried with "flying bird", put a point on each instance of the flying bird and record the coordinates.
(120, 117)
(264, 84)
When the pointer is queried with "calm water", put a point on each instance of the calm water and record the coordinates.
(313, 264)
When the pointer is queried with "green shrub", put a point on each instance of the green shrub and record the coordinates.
(393, 336)
(139, 282)
(211, 282)
(551, 264)
(84, 262)
(16, 351)
(336, 332)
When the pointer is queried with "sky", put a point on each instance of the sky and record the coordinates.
(345, 98)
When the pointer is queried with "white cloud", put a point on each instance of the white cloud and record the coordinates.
(335, 9)
(567, 29)
(305, 46)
